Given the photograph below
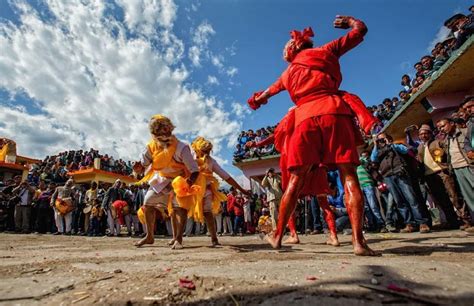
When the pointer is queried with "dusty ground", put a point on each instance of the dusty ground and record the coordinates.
(52, 270)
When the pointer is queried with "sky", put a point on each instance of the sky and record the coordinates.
(81, 74)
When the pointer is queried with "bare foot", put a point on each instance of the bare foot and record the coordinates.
(332, 240)
(215, 243)
(171, 242)
(144, 241)
(364, 250)
(292, 240)
(273, 241)
(177, 246)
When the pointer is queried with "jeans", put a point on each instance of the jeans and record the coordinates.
(342, 219)
(316, 214)
(465, 179)
(238, 224)
(405, 199)
(94, 227)
(372, 204)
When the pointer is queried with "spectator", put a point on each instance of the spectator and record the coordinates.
(336, 203)
(272, 183)
(113, 194)
(25, 194)
(440, 184)
(462, 27)
(427, 62)
(45, 213)
(239, 214)
(64, 218)
(456, 147)
(395, 172)
(367, 184)
(406, 83)
(419, 69)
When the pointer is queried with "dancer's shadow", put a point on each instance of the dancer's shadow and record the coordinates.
(245, 248)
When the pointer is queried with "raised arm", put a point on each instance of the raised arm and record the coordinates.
(350, 40)
(261, 97)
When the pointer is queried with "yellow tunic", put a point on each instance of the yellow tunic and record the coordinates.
(163, 159)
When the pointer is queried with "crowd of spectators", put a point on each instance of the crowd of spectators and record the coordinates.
(423, 184)
(244, 151)
(56, 168)
(420, 185)
(461, 28)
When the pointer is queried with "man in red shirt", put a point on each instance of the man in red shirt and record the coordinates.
(320, 129)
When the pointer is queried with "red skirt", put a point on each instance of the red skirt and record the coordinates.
(328, 139)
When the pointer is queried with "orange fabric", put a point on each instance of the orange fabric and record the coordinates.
(163, 158)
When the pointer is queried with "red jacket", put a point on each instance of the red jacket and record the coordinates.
(230, 203)
(314, 77)
(239, 206)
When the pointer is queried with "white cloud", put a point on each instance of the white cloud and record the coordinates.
(195, 56)
(232, 71)
(203, 33)
(217, 60)
(441, 35)
(200, 37)
(240, 110)
(212, 80)
(95, 86)
(143, 16)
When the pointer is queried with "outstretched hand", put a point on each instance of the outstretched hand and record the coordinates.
(256, 100)
(342, 22)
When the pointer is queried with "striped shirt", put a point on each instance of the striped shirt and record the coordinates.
(364, 177)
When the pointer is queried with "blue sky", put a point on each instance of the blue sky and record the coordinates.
(239, 52)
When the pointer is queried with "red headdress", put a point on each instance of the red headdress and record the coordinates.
(297, 41)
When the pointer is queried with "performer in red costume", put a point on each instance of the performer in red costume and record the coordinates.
(320, 183)
(321, 129)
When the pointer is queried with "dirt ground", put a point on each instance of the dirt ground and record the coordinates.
(436, 268)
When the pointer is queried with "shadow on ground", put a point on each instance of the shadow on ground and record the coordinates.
(347, 292)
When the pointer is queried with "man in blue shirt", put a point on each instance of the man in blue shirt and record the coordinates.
(395, 172)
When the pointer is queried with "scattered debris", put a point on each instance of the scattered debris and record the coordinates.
(99, 279)
(374, 281)
(396, 288)
(154, 298)
(118, 271)
(80, 299)
(187, 283)
(311, 278)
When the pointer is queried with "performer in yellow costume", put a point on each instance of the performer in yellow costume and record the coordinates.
(171, 172)
(209, 202)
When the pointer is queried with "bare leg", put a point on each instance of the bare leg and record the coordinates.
(181, 218)
(293, 239)
(331, 222)
(355, 208)
(150, 217)
(288, 204)
(211, 226)
(174, 224)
